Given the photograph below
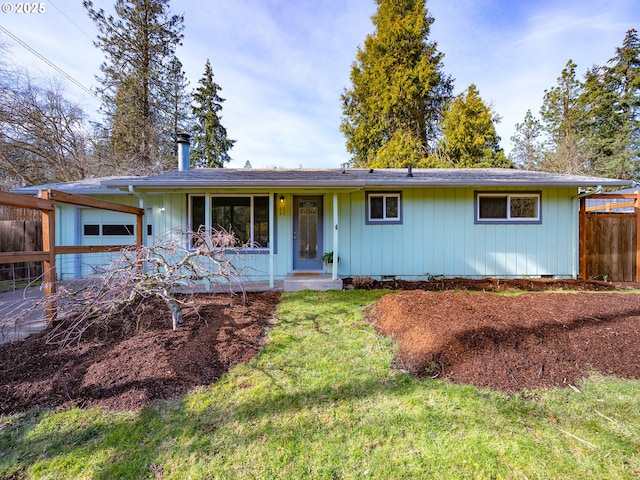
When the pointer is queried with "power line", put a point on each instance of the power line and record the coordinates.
(49, 62)
(70, 21)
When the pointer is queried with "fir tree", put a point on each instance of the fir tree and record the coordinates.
(210, 145)
(139, 43)
(564, 123)
(180, 119)
(469, 134)
(612, 99)
(392, 112)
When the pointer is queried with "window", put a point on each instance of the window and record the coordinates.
(92, 230)
(197, 213)
(384, 207)
(508, 208)
(117, 230)
(246, 216)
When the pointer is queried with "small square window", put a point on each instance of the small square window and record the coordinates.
(92, 230)
(523, 207)
(508, 208)
(383, 207)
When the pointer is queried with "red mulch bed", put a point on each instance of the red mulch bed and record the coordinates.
(518, 342)
(123, 369)
(507, 343)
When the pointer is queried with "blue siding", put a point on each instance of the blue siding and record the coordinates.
(438, 236)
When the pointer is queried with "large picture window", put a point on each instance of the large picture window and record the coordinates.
(247, 216)
(384, 207)
(508, 207)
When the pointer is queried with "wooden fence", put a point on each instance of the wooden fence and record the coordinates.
(16, 213)
(20, 236)
(609, 241)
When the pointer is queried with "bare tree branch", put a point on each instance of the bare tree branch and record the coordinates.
(162, 270)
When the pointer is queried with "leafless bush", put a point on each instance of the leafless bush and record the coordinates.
(156, 271)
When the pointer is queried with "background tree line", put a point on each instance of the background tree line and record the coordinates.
(400, 108)
(590, 126)
(145, 102)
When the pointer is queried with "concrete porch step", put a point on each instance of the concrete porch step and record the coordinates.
(311, 281)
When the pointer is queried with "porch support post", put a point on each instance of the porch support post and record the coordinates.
(272, 240)
(334, 271)
(49, 265)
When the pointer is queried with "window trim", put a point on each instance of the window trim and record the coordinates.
(384, 220)
(508, 220)
(208, 215)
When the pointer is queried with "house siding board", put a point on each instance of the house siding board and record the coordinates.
(548, 246)
(327, 231)
(413, 247)
(345, 250)
(438, 236)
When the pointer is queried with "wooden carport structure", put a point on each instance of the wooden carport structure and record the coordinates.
(46, 202)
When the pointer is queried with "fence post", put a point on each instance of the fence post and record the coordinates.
(582, 247)
(636, 210)
(49, 265)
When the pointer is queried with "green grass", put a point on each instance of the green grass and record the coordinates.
(322, 402)
(9, 286)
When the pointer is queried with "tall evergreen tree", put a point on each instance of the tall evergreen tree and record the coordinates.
(392, 112)
(469, 137)
(528, 149)
(180, 119)
(139, 43)
(563, 116)
(210, 145)
(612, 100)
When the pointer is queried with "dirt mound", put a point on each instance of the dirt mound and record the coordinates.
(124, 370)
(513, 342)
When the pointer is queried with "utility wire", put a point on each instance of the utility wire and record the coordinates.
(49, 62)
(70, 21)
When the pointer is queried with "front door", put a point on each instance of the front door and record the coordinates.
(307, 233)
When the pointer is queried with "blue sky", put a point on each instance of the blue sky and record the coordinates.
(282, 64)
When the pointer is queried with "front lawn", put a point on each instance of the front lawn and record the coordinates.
(323, 401)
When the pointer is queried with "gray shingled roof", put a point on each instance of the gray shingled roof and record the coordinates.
(360, 178)
(88, 186)
(328, 179)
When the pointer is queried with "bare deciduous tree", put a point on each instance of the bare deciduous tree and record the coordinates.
(43, 136)
(162, 271)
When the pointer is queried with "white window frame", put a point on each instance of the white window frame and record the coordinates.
(384, 220)
(508, 219)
